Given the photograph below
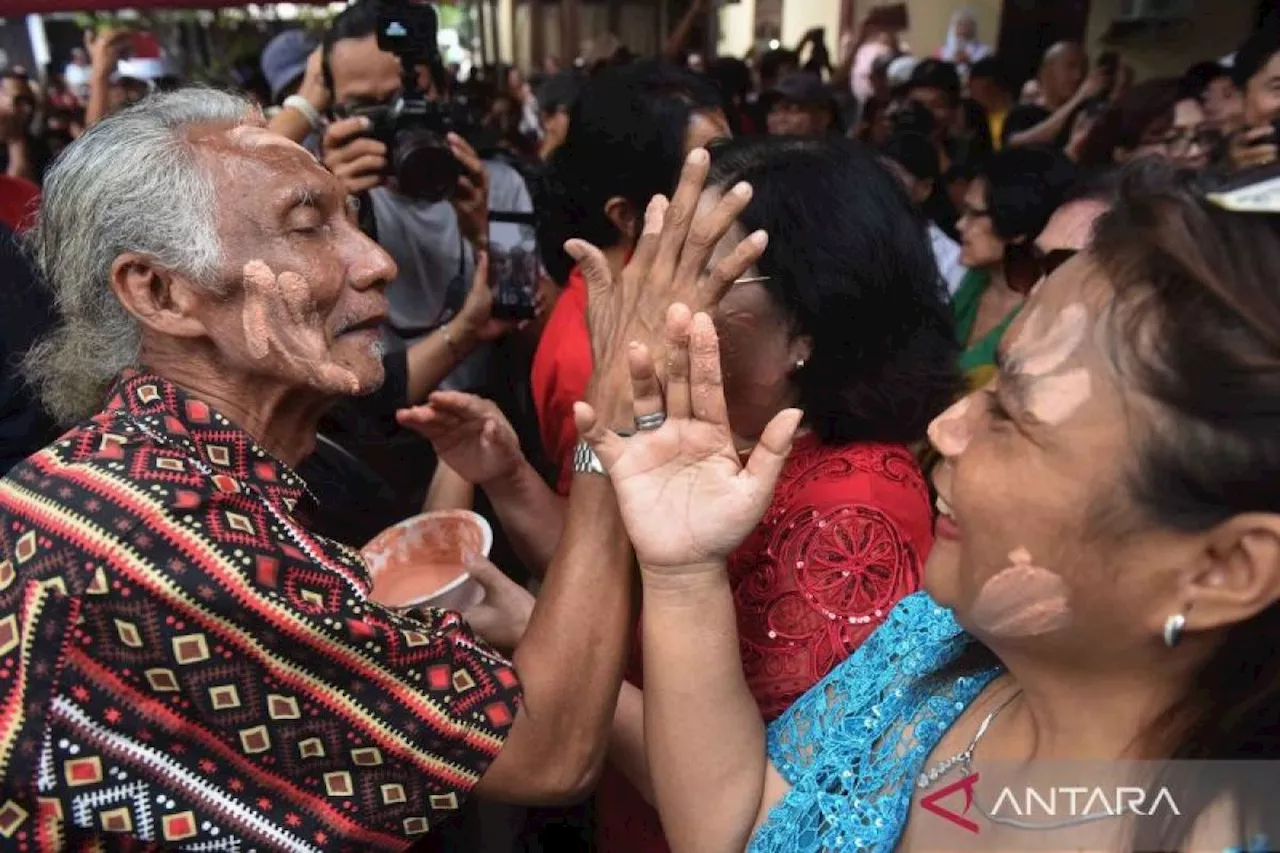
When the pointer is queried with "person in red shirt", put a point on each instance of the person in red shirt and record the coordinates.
(19, 196)
(844, 317)
(628, 133)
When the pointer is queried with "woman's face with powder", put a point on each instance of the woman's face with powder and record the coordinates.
(1038, 536)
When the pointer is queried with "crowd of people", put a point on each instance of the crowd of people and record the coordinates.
(861, 422)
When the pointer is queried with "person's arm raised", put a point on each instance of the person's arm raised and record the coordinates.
(688, 502)
(571, 659)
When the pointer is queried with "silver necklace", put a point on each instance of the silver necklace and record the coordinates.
(964, 758)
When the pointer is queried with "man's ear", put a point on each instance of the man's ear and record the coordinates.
(161, 300)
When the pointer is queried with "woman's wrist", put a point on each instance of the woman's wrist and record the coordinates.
(682, 581)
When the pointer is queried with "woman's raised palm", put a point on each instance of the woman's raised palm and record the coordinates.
(686, 498)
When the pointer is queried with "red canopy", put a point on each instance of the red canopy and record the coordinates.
(12, 8)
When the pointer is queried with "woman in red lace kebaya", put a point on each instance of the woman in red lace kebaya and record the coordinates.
(842, 316)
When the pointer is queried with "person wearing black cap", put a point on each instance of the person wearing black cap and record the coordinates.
(802, 105)
(912, 159)
(1256, 72)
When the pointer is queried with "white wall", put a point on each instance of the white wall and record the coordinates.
(736, 25)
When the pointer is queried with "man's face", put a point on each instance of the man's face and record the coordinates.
(21, 97)
(939, 104)
(1262, 94)
(1063, 73)
(363, 74)
(301, 301)
(787, 118)
(1223, 105)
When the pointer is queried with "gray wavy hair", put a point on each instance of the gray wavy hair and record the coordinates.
(132, 183)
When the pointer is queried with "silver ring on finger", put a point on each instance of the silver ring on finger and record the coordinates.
(652, 421)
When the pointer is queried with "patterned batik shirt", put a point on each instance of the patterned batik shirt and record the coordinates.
(184, 667)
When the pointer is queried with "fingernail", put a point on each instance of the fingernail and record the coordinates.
(697, 157)
(366, 122)
(743, 189)
(760, 238)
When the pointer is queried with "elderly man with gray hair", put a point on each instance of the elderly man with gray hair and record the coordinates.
(183, 664)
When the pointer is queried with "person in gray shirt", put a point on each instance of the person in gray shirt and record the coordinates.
(433, 242)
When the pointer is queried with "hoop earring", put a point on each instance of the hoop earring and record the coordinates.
(1173, 627)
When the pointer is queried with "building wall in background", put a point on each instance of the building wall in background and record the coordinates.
(1217, 28)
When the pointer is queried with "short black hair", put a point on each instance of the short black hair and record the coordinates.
(357, 21)
(993, 69)
(850, 266)
(913, 152)
(1198, 77)
(1025, 185)
(936, 74)
(626, 138)
(1256, 51)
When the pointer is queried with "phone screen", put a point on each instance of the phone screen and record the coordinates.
(514, 267)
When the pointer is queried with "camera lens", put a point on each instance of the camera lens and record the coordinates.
(424, 166)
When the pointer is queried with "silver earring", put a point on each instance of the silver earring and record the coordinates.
(800, 364)
(1173, 629)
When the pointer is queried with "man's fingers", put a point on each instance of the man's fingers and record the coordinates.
(678, 323)
(706, 383)
(707, 230)
(466, 189)
(367, 166)
(734, 266)
(342, 131)
(647, 246)
(770, 452)
(466, 156)
(607, 444)
(679, 214)
(595, 269)
(462, 405)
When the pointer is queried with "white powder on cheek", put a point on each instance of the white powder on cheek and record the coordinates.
(1053, 399)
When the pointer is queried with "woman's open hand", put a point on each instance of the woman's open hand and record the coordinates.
(685, 497)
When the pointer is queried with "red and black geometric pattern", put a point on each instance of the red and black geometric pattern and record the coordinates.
(184, 667)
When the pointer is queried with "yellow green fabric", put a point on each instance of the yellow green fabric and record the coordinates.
(978, 361)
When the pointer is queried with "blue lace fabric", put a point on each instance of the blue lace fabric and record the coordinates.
(852, 746)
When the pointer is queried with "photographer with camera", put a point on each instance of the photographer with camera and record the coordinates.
(397, 141)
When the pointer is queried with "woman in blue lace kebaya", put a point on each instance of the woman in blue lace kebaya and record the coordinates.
(1104, 583)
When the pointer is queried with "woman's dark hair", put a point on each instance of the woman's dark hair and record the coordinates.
(849, 264)
(1025, 185)
(1145, 110)
(626, 138)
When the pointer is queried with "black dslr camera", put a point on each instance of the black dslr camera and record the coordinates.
(413, 127)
